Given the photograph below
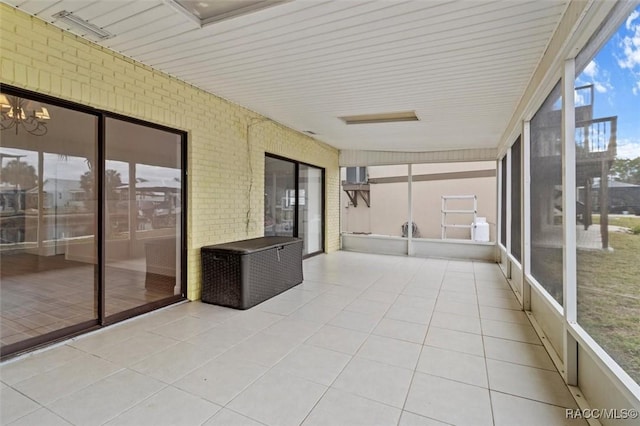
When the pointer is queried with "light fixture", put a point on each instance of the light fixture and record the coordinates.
(205, 12)
(386, 117)
(23, 113)
(82, 26)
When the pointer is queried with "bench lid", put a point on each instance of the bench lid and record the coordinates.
(252, 245)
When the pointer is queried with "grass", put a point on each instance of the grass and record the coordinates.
(624, 221)
(609, 295)
(608, 291)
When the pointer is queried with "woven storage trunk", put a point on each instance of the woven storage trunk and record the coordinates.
(244, 273)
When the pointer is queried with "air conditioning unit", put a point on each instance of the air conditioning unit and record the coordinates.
(356, 175)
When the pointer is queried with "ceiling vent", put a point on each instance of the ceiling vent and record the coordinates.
(386, 117)
(207, 12)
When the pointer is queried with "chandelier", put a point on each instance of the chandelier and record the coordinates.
(18, 113)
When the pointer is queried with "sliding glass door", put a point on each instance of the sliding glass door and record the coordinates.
(293, 202)
(91, 218)
(48, 218)
(142, 200)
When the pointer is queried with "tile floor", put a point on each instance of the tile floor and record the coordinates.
(364, 340)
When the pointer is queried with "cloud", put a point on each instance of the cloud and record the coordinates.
(592, 75)
(591, 70)
(628, 148)
(630, 44)
(600, 87)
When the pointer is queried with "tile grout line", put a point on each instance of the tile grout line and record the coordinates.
(413, 375)
(484, 351)
(295, 347)
(330, 386)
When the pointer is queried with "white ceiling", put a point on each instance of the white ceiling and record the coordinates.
(461, 65)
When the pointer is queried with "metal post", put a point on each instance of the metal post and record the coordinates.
(410, 250)
(526, 215)
(569, 221)
(509, 202)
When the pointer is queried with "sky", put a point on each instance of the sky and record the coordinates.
(615, 74)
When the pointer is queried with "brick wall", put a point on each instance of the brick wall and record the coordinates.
(226, 142)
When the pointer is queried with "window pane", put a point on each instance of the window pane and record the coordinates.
(516, 192)
(546, 195)
(377, 205)
(47, 218)
(143, 210)
(279, 197)
(608, 179)
(310, 208)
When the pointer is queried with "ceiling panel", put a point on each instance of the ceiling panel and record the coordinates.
(112, 12)
(461, 65)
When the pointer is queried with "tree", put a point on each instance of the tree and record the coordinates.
(626, 170)
(18, 172)
(112, 182)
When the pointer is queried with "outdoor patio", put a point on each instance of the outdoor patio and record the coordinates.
(365, 339)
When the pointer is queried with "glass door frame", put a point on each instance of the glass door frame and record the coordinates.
(102, 160)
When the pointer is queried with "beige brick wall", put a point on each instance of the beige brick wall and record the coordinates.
(226, 143)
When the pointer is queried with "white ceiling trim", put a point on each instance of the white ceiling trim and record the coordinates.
(355, 158)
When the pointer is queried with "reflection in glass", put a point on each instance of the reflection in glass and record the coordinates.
(608, 208)
(47, 223)
(143, 215)
(310, 208)
(546, 195)
(279, 197)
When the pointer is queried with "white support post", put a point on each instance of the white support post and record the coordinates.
(526, 214)
(509, 204)
(410, 250)
(569, 221)
(499, 212)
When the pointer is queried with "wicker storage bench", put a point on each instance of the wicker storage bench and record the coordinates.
(244, 273)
